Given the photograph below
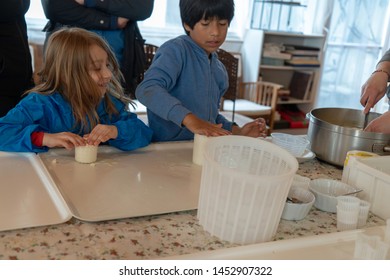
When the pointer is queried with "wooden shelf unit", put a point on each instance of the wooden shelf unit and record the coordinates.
(254, 68)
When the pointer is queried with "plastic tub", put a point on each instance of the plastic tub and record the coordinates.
(244, 187)
(372, 174)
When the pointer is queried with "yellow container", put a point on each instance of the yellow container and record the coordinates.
(354, 154)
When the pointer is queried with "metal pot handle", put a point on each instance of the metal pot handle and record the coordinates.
(380, 148)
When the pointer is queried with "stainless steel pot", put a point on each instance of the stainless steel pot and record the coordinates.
(335, 131)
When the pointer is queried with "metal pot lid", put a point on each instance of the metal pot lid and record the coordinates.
(346, 121)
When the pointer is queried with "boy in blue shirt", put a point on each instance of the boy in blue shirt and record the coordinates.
(183, 87)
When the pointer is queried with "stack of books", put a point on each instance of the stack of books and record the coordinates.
(273, 54)
(302, 56)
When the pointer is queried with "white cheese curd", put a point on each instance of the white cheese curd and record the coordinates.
(86, 154)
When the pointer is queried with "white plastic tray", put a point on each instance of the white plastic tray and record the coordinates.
(160, 178)
(28, 196)
(332, 246)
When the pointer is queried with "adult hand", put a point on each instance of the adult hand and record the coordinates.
(101, 133)
(380, 124)
(66, 140)
(81, 2)
(199, 126)
(122, 22)
(373, 90)
(257, 128)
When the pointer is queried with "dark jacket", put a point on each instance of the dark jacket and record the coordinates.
(15, 57)
(102, 17)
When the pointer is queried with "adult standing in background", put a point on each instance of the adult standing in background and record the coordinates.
(15, 57)
(373, 90)
(114, 20)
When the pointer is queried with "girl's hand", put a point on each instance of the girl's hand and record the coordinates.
(257, 128)
(199, 126)
(66, 140)
(101, 133)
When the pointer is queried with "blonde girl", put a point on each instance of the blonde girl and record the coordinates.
(79, 100)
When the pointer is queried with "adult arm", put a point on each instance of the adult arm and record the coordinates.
(376, 85)
(135, 10)
(69, 12)
(97, 14)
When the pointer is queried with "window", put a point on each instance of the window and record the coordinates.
(356, 31)
(286, 15)
(356, 41)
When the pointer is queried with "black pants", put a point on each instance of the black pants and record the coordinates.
(15, 64)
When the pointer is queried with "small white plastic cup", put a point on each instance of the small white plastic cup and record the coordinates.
(370, 248)
(86, 154)
(347, 212)
(200, 143)
(364, 209)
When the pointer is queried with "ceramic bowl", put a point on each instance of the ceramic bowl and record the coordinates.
(298, 211)
(326, 192)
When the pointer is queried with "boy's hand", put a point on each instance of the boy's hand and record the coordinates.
(257, 128)
(101, 133)
(67, 140)
(199, 126)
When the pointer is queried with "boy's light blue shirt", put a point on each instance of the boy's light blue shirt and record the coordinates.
(181, 80)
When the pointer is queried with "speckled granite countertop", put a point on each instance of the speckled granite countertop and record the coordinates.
(152, 237)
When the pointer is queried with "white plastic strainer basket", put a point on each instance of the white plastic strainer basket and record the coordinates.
(244, 186)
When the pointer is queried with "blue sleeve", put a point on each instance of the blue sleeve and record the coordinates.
(161, 77)
(225, 123)
(132, 132)
(16, 127)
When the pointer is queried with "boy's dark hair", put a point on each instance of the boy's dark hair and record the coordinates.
(192, 11)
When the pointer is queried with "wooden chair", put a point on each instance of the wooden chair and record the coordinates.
(262, 93)
(231, 64)
(150, 51)
(257, 99)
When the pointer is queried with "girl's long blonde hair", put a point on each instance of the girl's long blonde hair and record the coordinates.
(65, 70)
